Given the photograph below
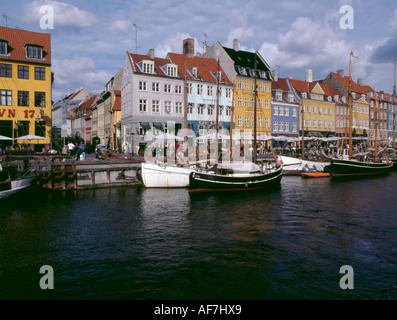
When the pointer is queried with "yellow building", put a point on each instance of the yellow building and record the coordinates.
(317, 108)
(25, 86)
(243, 69)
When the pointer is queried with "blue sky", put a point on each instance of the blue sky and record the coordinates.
(90, 38)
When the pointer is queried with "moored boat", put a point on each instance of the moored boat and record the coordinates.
(10, 184)
(153, 175)
(234, 178)
(352, 167)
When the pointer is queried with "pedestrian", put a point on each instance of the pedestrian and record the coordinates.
(78, 153)
(83, 151)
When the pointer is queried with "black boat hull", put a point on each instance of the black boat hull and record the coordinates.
(357, 168)
(202, 181)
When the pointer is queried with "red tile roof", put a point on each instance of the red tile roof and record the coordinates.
(282, 84)
(206, 67)
(18, 39)
(88, 103)
(158, 62)
(117, 103)
(354, 86)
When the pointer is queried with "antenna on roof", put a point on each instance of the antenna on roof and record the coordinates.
(205, 43)
(7, 18)
(136, 37)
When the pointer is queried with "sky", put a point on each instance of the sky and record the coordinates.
(90, 38)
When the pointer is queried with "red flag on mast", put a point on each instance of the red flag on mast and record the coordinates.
(352, 54)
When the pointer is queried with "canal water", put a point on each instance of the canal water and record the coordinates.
(135, 243)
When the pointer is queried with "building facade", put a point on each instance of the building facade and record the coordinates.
(25, 87)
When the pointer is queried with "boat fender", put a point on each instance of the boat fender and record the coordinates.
(246, 184)
(387, 160)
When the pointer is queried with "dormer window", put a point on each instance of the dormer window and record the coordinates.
(172, 70)
(304, 95)
(242, 71)
(3, 47)
(279, 96)
(194, 72)
(147, 66)
(262, 74)
(34, 52)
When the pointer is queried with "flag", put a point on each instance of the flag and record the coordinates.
(352, 54)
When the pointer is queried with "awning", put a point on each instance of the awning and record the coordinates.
(158, 125)
(145, 125)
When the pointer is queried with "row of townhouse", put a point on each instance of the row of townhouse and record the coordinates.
(165, 94)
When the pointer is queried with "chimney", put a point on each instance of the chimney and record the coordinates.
(360, 81)
(188, 47)
(275, 75)
(151, 53)
(341, 72)
(235, 44)
(309, 75)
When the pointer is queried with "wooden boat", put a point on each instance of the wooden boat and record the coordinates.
(153, 175)
(317, 174)
(233, 178)
(295, 166)
(10, 184)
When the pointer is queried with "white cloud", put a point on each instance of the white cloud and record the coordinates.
(393, 24)
(77, 72)
(65, 15)
(123, 26)
(174, 44)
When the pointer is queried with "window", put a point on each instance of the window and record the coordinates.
(315, 123)
(189, 88)
(294, 127)
(5, 70)
(142, 85)
(167, 88)
(23, 98)
(172, 71)
(275, 126)
(266, 104)
(178, 89)
(330, 111)
(23, 72)
(155, 106)
(200, 109)
(279, 96)
(260, 87)
(290, 97)
(190, 108)
(286, 127)
(210, 90)
(260, 122)
(142, 105)
(281, 111)
(247, 121)
(315, 109)
(167, 106)
(286, 111)
(228, 92)
(247, 102)
(35, 52)
(148, 67)
(220, 110)
(266, 87)
(199, 89)
(275, 111)
(267, 123)
(260, 102)
(210, 110)
(39, 128)
(3, 47)
(178, 107)
(6, 97)
(294, 112)
(240, 101)
(240, 121)
(281, 126)
(239, 84)
(39, 73)
(156, 87)
(247, 85)
(228, 111)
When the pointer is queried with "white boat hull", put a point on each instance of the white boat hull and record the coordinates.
(164, 176)
(293, 165)
(17, 185)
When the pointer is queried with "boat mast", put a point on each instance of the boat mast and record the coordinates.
(255, 111)
(303, 124)
(350, 106)
(231, 125)
(217, 114)
(376, 124)
(394, 106)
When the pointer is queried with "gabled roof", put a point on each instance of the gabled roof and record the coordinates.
(135, 59)
(354, 86)
(206, 68)
(87, 104)
(18, 40)
(302, 86)
(117, 101)
(282, 84)
(245, 61)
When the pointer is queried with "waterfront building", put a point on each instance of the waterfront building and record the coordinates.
(342, 114)
(284, 108)
(317, 109)
(202, 84)
(390, 118)
(151, 96)
(116, 120)
(240, 67)
(362, 95)
(25, 87)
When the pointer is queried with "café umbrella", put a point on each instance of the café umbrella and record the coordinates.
(5, 138)
(31, 137)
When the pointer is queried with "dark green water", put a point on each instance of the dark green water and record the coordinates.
(135, 243)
